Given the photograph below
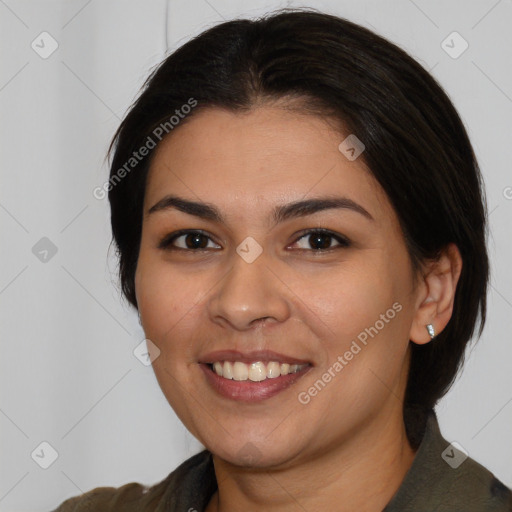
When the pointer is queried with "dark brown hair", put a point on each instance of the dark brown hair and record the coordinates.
(416, 146)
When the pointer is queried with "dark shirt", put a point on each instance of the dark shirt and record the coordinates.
(441, 479)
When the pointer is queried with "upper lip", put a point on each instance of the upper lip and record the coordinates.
(264, 356)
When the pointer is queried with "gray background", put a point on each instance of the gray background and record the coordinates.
(68, 373)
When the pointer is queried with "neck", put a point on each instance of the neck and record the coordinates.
(360, 474)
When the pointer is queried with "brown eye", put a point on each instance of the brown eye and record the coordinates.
(186, 240)
(316, 240)
(321, 240)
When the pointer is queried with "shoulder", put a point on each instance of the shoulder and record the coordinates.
(107, 499)
(444, 478)
(479, 487)
(134, 496)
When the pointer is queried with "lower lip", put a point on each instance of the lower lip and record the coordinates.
(247, 390)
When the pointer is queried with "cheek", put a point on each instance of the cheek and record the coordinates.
(353, 299)
(165, 299)
(366, 312)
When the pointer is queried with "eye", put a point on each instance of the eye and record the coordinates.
(191, 241)
(321, 239)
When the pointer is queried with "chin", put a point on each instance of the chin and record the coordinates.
(254, 454)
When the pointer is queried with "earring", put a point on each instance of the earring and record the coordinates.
(430, 329)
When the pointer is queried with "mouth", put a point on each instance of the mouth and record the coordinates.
(252, 376)
(257, 371)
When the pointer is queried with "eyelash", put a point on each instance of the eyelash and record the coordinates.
(166, 242)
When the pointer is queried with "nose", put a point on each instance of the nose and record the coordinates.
(249, 294)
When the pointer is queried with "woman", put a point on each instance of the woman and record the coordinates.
(300, 223)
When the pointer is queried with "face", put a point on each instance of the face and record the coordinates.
(308, 308)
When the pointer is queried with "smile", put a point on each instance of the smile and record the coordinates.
(260, 387)
(255, 372)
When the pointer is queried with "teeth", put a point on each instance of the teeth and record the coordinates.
(256, 371)
(218, 368)
(227, 370)
(240, 371)
(273, 370)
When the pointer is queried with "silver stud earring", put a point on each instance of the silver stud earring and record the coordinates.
(430, 329)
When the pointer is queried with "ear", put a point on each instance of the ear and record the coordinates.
(436, 294)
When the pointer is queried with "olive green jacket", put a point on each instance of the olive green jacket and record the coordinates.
(441, 479)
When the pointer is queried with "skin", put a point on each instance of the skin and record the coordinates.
(348, 444)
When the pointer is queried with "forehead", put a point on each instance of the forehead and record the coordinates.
(268, 153)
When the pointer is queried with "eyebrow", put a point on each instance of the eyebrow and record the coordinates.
(280, 213)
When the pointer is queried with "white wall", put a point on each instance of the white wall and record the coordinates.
(67, 370)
